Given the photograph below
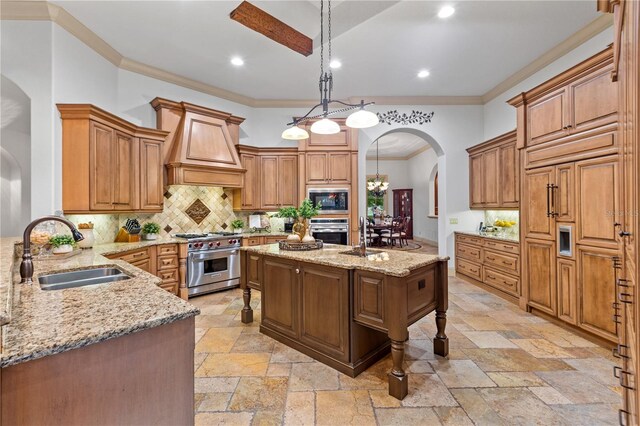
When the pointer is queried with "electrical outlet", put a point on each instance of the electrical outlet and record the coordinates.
(453, 220)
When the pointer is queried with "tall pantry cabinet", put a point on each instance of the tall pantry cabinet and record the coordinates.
(569, 143)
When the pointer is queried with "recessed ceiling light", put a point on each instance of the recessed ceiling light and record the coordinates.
(335, 64)
(423, 74)
(237, 61)
(446, 11)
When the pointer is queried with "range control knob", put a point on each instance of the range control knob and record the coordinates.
(210, 244)
(218, 243)
(190, 245)
(230, 241)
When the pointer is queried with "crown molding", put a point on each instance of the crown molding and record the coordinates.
(592, 29)
(45, 11)
(408, 157)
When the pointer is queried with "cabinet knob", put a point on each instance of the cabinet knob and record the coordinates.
(297, 271)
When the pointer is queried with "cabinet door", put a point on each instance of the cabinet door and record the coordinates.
(280, 297)
(547, 118)
(490, 173)
(151, 175)
(594, 101)
(317, 168)
(564, 201)
(567, 288)
(101, 163)
(540, 275)
(269, 183)
(325, 326)
(250, 191)
(340, 167)
(287, 180)
(596, 290)
(124, 172)
(598, 201)
(536, 202)
(475, 181)
(253, 270)
(509, 172)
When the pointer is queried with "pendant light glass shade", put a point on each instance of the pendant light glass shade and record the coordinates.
(362, 119)
(325, 127)
(295, 133)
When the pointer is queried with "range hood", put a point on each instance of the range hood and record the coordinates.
(201, 145)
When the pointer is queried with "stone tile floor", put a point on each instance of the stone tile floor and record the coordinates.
(505, 367)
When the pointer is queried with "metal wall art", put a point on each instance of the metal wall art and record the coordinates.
(416, 117)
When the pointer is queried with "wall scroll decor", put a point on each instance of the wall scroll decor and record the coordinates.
(416, 117)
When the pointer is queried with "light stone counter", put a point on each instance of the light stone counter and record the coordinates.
(42, 323)
(400, 263)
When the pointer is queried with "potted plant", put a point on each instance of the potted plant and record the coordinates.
(150, 230)
(305, 212)
(237, 225)
(62, 244)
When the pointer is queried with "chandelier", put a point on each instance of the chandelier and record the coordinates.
(360, 119)
(378, 186)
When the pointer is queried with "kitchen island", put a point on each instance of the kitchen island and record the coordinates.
(343, 310)
(113, 353)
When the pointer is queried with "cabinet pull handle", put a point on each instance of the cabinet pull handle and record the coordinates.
(615, 317)
(548, 200)
(492, 277)
(620, 282)
(491, 258)
(138, 254)
(622, 413)
(618, 351)
(620, 374)
(625, 298)
(507, 262)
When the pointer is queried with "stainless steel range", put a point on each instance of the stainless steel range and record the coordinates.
(213, 262)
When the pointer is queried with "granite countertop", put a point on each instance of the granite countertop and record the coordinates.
(400, 263)
(42, 323)
(515, 238)
(265, 234)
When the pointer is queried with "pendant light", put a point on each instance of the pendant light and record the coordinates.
(360, 119)
(378, 186)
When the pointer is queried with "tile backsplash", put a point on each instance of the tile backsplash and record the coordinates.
(490, 216)
(175, 218)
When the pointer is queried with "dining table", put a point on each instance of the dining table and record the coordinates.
(377, 229)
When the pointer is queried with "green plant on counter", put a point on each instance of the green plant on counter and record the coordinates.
(307, 209)
(62, 240)
(237, 224)
(151, 228)
(285, 212)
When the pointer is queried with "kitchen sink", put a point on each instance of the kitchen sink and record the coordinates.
(356, 252)
(85, 277)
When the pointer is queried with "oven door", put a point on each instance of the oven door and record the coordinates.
(331, 236)
(213, 266)
(331, 201)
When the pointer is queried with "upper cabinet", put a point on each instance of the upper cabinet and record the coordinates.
(328, 167)
(572, 116)
(494, 169)
(270, 181)
(109, 164)
(203, 144)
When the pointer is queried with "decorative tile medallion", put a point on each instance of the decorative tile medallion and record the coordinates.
(224, 196)
(167, 229)
(197, 211)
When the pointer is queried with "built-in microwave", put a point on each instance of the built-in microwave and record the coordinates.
(330, 200)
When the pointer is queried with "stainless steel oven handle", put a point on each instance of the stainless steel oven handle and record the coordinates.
(329, 230)
(215, 254)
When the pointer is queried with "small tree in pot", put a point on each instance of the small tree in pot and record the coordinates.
(305, 212)
(150, 230)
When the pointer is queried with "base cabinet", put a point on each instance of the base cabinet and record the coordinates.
(540, 284)
(280, 293)
(567, 291)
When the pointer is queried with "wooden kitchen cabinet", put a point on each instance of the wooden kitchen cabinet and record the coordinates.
(280, 296)
(567, 291)
(548, 117)
(540, 283)
(248, 197)
(108, 164)
(536, 203)
(269, 183)
(328, 167)
(494, 169)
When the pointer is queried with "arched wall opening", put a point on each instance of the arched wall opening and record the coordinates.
(369, 136)
(15, 159)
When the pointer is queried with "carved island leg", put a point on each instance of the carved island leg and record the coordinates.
(246, 316)
(441, 341)
(396, 307)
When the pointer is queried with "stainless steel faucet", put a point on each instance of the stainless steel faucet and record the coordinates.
(363, 239)
(26, 267)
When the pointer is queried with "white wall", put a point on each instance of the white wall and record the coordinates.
(500, 117)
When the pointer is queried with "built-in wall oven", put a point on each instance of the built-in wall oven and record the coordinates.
(330, 230)
(330, 200)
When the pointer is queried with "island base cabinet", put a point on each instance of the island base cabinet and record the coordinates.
(141, 378)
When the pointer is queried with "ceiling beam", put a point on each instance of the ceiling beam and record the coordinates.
(260, 21)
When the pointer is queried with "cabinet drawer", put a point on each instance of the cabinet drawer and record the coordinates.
(501, 246)
(144, 264)
(167, 262)
(170, 287)
(252, 241)
(168, 276)
(468, 252)
(272, 240)
(504, 262)
(500, 281)
(167, 249)
(134, 256)
(468, 239)
(468, 268)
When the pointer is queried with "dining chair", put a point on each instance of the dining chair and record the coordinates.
(405, 228)
(394, 232)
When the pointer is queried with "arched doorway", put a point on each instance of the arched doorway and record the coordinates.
(15, 157)
(368, 136)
